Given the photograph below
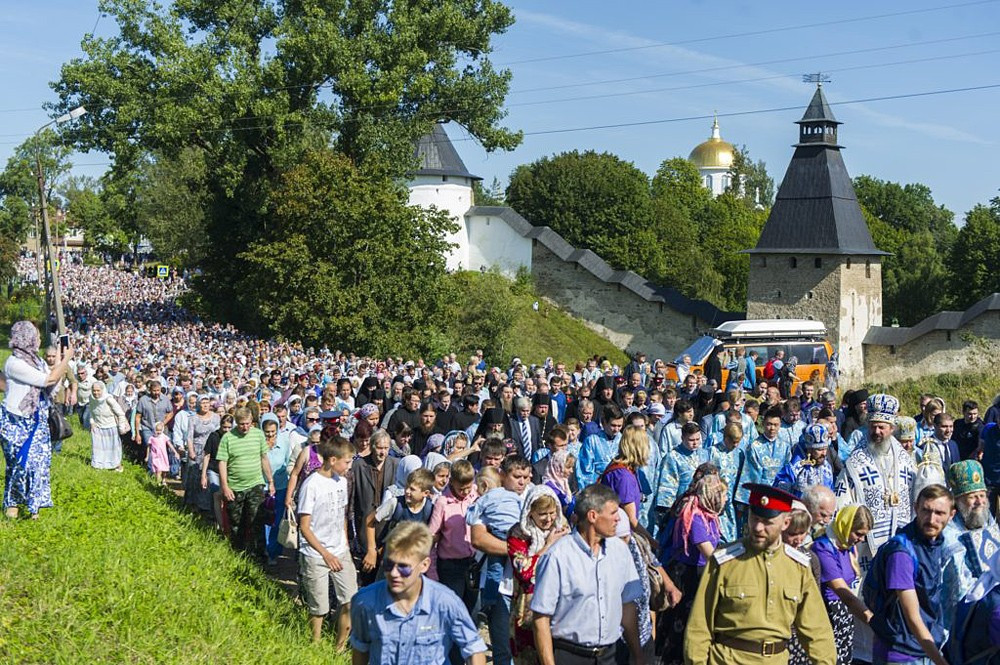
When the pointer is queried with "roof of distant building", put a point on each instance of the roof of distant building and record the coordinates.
(437, 156)
(816, 210)
(715, 153)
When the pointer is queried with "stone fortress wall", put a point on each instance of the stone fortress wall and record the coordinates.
(943, 343)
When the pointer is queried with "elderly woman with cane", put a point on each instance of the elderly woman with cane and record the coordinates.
(24, 421)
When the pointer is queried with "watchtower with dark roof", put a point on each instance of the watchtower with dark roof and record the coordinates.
(815, 258)
(443, 181)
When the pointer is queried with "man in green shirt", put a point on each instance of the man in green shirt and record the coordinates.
(242, 464)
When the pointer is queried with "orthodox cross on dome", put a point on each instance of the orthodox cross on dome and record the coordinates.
(819, 78)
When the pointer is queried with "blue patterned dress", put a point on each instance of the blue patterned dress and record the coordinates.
(27, 484)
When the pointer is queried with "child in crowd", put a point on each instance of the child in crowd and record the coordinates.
(323, 551)
(157, 458)
(573, 430)
(452, 544)
(490, 519)
(492, 453)
(441, 474)
(416, 505)
(487, 479)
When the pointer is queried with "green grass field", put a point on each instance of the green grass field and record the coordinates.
(117, 573)
(552, 332)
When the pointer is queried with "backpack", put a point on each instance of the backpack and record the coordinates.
(769, 370)
(877, 598)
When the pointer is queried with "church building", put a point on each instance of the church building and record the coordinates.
(714, 159)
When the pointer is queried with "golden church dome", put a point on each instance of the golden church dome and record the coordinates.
(713, 153)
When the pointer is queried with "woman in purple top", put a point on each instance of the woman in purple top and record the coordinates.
(694, 537)
(621, 475)
(839, 573)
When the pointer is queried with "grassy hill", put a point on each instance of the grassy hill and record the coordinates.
(496, 314)
(116, 573)
(952, 388)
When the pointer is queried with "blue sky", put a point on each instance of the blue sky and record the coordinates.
(683, 59)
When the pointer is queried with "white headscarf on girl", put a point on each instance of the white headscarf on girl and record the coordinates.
(406, 466)
(535, 533)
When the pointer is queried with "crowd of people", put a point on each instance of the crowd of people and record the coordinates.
(592, 514)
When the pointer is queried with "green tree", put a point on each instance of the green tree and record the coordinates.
(905, 221)
(975, 257)
(258, 84)
(678, 184)
(19, 180)
(750, 180)
(489, 196)
(171, 199)
(383, 292)
(481, 312)
(732, 224)
(86, 210)
(909, 207)
(595, 201)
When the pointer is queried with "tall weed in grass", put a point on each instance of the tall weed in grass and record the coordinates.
(115, 573)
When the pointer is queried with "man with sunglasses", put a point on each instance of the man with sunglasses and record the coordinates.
(407, 617)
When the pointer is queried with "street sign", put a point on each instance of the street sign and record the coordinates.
(162, 272)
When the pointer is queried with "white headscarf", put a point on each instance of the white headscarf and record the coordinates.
(536, 534)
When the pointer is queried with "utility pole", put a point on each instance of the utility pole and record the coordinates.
(53, 287)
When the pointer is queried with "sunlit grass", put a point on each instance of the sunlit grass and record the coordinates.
(117, 573)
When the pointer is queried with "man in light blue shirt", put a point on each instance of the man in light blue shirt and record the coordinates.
(586, 587)
(599, 449)
(407, 617)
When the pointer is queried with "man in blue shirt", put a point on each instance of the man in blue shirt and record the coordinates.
(599, 449)
(586, 587)
(407, 617)
(904, 585)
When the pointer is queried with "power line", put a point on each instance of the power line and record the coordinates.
(751, 80)
(758, 111)
(720, 68)
(751, 33)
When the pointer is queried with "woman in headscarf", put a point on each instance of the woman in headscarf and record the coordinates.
(24, 421)
(840, 575)
(401, 438)
(203, 423)
(456, 446)
(106, 416)
(693, 539)
(128, 398)
(557, 477)
(542, 524)
(368, 386)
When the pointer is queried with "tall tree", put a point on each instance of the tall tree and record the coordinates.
(905, 221)
(384, 291)
(171, 200)
(256, 84)
(87, 211)
(975, 257)
(750, 180)
(19, 183)
(595, 201)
